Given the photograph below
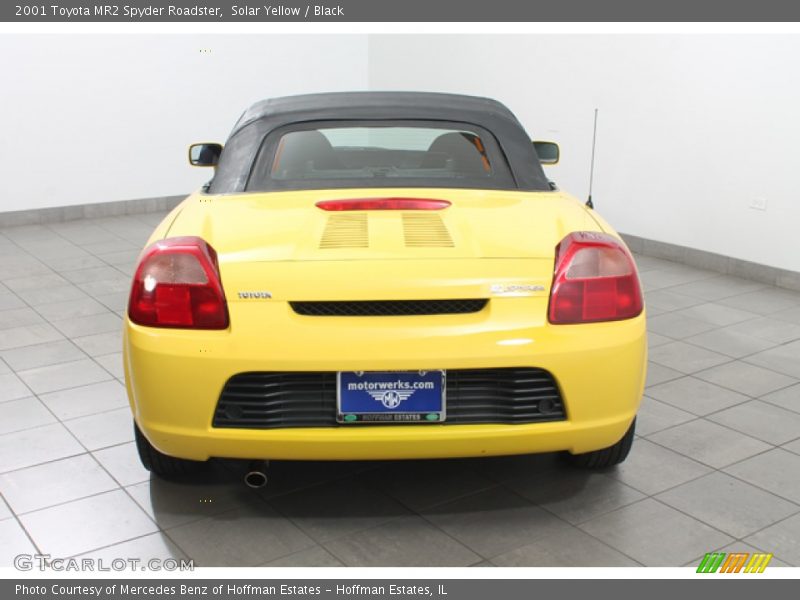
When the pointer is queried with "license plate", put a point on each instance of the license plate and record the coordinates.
(390, 397)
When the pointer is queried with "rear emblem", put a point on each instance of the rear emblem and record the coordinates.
(255, 295)
(500, 289)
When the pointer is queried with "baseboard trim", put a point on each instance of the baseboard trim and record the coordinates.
(714, 262)
(61, 214)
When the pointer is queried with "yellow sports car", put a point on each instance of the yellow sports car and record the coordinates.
(382, 276)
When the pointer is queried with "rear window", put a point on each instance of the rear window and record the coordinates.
(379, 154)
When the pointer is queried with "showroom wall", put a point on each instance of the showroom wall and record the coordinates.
(693, 129)
(97, 118)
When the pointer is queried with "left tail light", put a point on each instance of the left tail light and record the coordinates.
(177, 284)
(595, 280)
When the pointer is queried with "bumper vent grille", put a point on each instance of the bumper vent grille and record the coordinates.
(268, 400)
(388, 308)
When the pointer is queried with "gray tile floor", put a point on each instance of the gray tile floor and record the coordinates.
(716, 465)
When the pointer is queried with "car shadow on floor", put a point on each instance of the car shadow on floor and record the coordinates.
(384, 489)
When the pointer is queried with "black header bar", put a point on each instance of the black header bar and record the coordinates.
(343, 11)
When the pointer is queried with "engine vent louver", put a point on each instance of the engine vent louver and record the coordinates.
(351, 230)
(346, 230)
(425, 230)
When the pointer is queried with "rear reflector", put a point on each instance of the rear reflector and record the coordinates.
(595, 280)
(383, 204)
(177, 285)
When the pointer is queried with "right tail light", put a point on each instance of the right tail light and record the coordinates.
(595, 280)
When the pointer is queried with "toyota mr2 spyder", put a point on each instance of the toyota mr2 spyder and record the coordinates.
(375, 276)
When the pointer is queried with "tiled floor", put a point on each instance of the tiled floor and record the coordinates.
(716, 466)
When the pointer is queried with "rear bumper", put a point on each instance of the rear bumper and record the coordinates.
(174, 379)
(387, 442)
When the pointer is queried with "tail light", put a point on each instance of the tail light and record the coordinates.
(177, 284)
(595, 280)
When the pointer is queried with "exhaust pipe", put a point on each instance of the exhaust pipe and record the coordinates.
(256, 477)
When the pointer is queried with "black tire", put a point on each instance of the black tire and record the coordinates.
(166, 467)
(607, 457)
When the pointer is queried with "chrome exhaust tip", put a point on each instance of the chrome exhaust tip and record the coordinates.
(256, 477)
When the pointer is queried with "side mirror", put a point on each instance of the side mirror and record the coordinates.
(548, 152)
(204, 155)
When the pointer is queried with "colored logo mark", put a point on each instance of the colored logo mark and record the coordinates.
(735, 562)
(392, 398)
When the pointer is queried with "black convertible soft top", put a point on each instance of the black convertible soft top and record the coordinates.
(266, 116)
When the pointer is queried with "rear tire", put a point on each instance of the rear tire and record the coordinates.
(166, 467)
(607, 457)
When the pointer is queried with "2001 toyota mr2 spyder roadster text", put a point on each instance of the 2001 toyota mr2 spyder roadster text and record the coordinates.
(382, 276)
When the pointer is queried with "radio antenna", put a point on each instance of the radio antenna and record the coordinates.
(589, 202)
